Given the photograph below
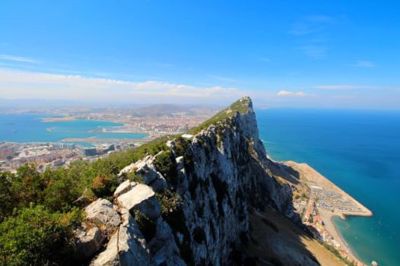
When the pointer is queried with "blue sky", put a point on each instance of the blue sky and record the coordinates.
(333, 54)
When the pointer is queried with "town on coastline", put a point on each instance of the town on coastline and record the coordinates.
(317, 200)
(152, 122)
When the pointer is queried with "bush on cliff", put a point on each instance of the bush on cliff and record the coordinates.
(35, 236)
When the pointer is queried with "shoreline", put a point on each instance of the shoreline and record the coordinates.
(345, 244)
(58, 119)
(315, 181)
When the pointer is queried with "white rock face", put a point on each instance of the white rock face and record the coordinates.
(89, 242)
(140, 197)
(101, 212)
(187, 136)
(124, 187)
(126, 247)
(179, 163)
(146, 169)
(223, 175)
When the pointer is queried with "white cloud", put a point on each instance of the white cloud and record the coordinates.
(342, 87)
(18, 59)
(34, 85)
(286, 93)
(364, 64)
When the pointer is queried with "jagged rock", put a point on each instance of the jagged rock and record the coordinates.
(163, 246)
(179, 163)
(170, 144)
(126, 247)
(124, 187)
(127, 169)
(102, 213)
(150, 175)
(187, 136)
(223, 176)
(88, 242)
(140, 197)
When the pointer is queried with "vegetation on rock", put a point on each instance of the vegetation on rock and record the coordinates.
(241, 106)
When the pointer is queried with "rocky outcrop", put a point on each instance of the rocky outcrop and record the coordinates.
(141, 197)
(194, 203)
(102, 213)
(126, 246)
(89, 241)
(147, 171)
(124, 187)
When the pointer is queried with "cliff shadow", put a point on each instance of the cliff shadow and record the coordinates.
(275, 240)
(285, 172)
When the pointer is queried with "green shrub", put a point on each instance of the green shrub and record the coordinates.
(7, 197)
(41, 235)
(135, 177)
(166, 165)
(103, 186)
(61, 191)
(28, 185)
(37, 237)
(181, 146)
(170, 202)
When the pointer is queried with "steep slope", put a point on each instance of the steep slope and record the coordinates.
(194, 202)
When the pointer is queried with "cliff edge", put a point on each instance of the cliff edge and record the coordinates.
(198, 199)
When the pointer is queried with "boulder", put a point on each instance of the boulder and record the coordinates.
(141, 197)
(126, 247)
(124, 187)
(146, 170)
(102, 213)
(88, 242)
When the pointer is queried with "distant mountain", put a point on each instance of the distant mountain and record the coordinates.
(163, 109)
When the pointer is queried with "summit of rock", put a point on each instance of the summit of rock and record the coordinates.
(214, 179)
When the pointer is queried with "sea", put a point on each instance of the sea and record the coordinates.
(28, 128)
(357, 150)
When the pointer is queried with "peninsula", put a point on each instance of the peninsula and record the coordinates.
(210, 196)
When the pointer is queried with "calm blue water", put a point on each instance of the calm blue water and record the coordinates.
(360, 152)
(30, 128)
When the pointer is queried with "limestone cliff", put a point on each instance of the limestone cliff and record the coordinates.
(190, 204)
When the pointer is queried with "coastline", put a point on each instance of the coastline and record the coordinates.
(58, 119)
(343, 241)
(314, 180)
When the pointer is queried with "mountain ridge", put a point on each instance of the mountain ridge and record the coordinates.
(217, 176)
(208, 197)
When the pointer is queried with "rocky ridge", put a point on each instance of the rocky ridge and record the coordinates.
(190, 203)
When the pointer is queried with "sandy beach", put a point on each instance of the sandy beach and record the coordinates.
(58, 119)
(321, 186)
